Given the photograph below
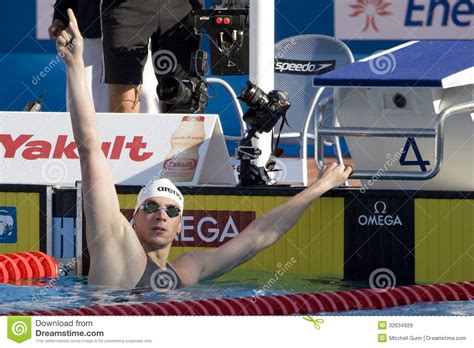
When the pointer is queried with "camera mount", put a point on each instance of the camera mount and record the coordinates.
(227, 26)
(265, 110)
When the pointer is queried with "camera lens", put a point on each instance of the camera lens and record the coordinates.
(172, 91)
(253, 96)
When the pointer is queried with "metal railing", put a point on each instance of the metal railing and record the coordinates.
(437, 133)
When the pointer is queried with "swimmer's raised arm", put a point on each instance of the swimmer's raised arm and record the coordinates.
(110, 238)
(261, 233)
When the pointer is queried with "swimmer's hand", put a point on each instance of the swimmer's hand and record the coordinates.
(55, 28)
(70, 43)
(332, 175)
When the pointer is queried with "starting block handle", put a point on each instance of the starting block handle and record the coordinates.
(437, 133)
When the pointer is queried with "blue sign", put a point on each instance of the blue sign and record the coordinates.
(8, 226)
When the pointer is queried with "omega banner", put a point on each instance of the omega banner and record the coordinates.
(379, 237)
(404, 19)
(39, 149)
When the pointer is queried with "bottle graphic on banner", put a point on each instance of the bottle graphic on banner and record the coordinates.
(181, 161)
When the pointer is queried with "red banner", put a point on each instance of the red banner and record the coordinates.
(208, 228)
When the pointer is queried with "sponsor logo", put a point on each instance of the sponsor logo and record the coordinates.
(379, 217)
(29, 148)
(8, 231)
(439, 13)
(370, 10)
(182, 163)
(208, 228)
(300, 67)
(404, 19)
(167, 189)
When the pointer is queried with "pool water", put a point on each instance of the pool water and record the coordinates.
(74, 292)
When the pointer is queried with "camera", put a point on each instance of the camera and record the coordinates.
(227, 27)
(187, 95)
(265, 110)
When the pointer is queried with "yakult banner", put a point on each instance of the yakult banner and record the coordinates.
(39, 148)
(404, 19)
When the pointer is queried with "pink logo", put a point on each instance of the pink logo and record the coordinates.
(371, 9)
(180, 164)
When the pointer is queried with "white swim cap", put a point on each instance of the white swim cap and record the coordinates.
(160, 188)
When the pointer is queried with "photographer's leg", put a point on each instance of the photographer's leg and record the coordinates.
(126, 28)
(124, 98)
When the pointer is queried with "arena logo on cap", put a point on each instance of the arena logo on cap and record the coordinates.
(170, 190)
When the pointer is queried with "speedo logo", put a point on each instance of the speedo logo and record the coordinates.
(304, 67)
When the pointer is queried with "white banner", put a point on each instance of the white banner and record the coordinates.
(39, 148)
(404, 19)
(238, 332)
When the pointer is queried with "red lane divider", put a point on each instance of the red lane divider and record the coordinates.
(27, 265)
(290, 304)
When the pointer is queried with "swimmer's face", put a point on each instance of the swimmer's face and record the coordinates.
(157, 230)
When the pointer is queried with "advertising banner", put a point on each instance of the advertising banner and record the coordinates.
(39, 148)
(404, 19)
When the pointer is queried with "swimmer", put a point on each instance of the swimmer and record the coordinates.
(135, 254)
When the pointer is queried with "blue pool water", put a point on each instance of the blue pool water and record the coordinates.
(74, 292)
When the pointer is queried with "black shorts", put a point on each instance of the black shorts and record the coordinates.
(129, 25)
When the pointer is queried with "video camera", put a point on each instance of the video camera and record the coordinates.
(265, 110)
(187, 95)
(227, 26)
